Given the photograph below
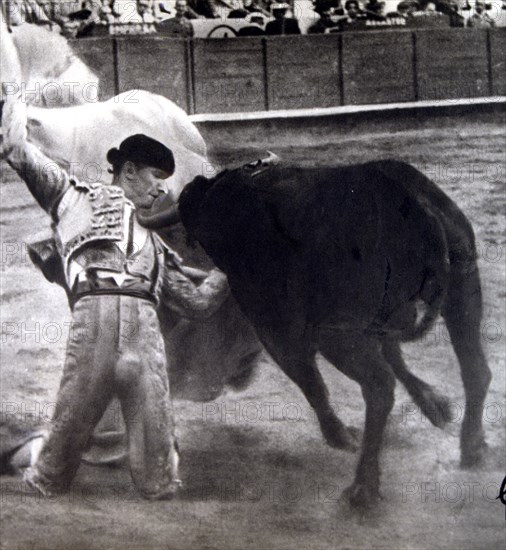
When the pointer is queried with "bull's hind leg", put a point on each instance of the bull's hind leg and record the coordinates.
(434, 406)
(462, 312)
(296, 357)
(361, 359)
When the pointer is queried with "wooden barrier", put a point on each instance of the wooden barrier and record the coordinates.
(378, 67)
(228, 75)
(497, 62)
(452, 63)
(98, 54)
(303, 73)
(296, 72)
(157, 64)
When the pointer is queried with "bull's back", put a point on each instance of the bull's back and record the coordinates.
(458, 229)
(323, 239)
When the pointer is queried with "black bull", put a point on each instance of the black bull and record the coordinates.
(348, 261)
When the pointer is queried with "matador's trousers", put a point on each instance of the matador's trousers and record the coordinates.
(115, 347)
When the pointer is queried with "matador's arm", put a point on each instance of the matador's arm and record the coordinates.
(46, 180)
(191, 300)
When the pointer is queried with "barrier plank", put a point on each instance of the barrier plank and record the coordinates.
(497, 61)
(154, 63)
(98, 54)
(452, 63)
(228, 75)
(303, 71)
(294, 72)
(378, 67)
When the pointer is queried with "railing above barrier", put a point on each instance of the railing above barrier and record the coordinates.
(253, 74)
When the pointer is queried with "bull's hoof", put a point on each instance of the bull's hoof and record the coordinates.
(167, 494)
(34, 482)
(242, 380)
(436, 407)
(338, 436)
(362, 496)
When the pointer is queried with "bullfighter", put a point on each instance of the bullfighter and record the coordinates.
(115, 272)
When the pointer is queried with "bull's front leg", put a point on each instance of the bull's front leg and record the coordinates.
(294, 352)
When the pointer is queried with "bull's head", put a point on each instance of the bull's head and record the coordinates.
(186, 210)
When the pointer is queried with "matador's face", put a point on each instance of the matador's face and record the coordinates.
(144, 184)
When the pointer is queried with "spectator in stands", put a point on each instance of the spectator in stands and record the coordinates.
(86, 20)
(353, 11)
(406, 8)
(429, 16)
(430, 7)
(283, 22)
(183, 10)
(334, 19)
(105, 14)
(375, 10)
(451, 8)
(327, 21)
(426, 8)
(74, 20)
(204, 8)
(480, 18)
(332, 6)
(179, 25)
(133, 17)
(145, 11)
(248, 6)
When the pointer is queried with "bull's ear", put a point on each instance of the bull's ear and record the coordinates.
(200, 184)
(191, 198)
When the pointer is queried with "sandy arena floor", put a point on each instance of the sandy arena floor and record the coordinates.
(257, 473)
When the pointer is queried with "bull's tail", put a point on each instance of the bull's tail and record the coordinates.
(431, 295)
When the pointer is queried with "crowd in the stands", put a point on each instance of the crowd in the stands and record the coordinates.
(353, 13)
(82, 18)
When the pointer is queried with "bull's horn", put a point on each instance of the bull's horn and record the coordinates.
(271, 158)
(159, 220)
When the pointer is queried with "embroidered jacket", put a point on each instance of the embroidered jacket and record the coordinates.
(99, 246)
